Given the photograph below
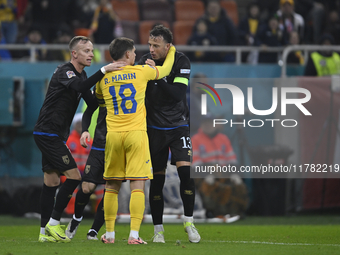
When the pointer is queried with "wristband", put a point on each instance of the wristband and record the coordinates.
(103, 70)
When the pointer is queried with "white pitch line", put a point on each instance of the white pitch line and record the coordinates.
(244, 242)
(272, 243)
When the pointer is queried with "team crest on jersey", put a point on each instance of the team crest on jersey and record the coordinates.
(87, 169)
(66, 159)
(185, 71)
(70, 74)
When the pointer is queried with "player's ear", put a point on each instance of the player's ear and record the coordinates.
(74, 54)
(168, 45)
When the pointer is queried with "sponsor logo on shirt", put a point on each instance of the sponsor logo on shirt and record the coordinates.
(70, 74)
(185, 71)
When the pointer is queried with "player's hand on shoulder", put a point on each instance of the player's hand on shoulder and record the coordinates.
(85, 138)
(150, 62)
(115, 66)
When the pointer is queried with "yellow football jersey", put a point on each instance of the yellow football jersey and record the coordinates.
(124, 94)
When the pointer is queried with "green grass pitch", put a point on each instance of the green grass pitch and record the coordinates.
(253, 235)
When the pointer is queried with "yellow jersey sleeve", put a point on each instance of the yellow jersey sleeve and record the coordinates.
(165, 69)
(149, 72)
(158, 72)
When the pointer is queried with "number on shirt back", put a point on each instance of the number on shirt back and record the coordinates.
(124, 98)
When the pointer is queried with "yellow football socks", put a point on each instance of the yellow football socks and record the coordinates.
(110, 208)
(137, 207)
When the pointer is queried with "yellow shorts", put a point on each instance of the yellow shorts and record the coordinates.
(127, 156)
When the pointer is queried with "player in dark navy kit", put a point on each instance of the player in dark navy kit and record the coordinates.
(168, 127)
(68, 85)
(93, 174)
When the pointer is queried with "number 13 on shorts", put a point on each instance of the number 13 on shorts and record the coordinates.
(186, 142)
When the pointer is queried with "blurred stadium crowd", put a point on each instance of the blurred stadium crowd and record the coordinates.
(265, 23)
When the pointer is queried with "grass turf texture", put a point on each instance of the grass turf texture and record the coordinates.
(253, 235)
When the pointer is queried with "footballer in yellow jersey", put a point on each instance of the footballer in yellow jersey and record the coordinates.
(123, 94)
(127, 155)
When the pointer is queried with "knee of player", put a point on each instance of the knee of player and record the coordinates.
(76, 178)
(73, 174)
(88, 188)
(52, 183)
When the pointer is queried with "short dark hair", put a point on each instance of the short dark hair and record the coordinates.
(119, 46)
(75, 40)
(163, 31)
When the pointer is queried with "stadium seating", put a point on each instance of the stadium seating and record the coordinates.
(82, 32)
(188, 10)
(126, 10)
(231, 7)
(156, 10)
(146, 26)
(130, 30)
(182, 31)
(107, 56)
